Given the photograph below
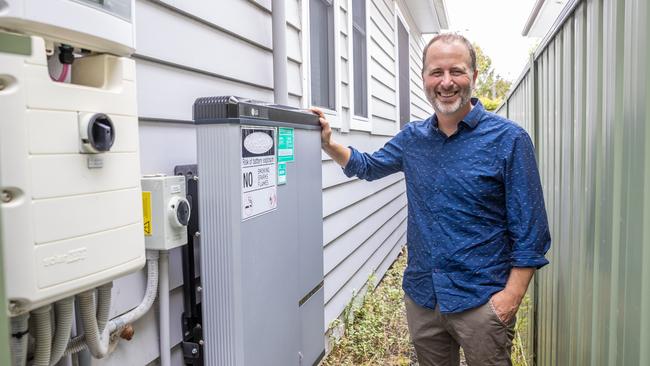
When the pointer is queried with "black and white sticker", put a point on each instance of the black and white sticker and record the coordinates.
(258, 170)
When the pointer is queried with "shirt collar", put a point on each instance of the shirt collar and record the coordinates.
(471, 119)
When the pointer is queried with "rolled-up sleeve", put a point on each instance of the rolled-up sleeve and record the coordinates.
(383, 162)
(526, 213)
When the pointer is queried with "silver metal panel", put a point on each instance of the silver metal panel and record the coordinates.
(220, 272)
(256, 273)
(311, 329)
(305, 173)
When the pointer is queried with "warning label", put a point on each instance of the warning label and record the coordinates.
(258, 170)
(146, 212)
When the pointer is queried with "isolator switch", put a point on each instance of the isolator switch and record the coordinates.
(97, 132)
(166, 211)
(179, 212)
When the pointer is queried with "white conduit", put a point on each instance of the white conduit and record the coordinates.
(163, 309)
(97, 341)
(120, 322)
(103, 305)
(43, 335)
(64, 313)
(19, 339)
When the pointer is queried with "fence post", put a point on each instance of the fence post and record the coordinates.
(536, 128)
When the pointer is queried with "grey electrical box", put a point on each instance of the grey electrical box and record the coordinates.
(261, 233)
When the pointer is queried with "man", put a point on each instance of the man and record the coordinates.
(477, 226)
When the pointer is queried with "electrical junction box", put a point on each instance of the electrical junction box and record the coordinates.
(166, 211)
(98, 25)
(260, 217)
(69, 173)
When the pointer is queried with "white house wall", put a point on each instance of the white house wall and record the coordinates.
(189, 49)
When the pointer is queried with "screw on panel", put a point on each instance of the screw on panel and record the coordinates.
(195, 178)
(199, 288)
(201, 342)
(195, 351)
(7, 196)
(14, 307)
(127, 332)
(197, 234)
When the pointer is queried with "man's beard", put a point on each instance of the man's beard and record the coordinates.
(446, 108)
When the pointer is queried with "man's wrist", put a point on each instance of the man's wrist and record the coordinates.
(517, 294)
(329, 148)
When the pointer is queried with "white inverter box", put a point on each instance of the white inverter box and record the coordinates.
(71, 209)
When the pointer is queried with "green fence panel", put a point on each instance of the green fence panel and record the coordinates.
(584, 99)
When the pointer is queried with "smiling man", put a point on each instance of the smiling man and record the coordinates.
(477, 226)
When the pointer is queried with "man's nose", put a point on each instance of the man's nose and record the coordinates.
(446, 80)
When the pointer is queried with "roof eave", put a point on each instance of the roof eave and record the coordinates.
(430, 16)
(532, 17)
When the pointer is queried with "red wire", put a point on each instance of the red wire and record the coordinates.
(64, 73)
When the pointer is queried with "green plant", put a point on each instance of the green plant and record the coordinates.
(375, 331)
(490, 104)
(520, 349)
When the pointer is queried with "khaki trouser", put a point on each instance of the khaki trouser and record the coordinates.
(437, 337)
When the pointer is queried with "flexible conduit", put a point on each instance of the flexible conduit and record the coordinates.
(97, 340)
(43, 335)
(19, 338)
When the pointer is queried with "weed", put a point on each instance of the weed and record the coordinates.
(375, 331)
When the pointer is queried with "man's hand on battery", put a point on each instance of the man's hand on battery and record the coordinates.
(326, 130)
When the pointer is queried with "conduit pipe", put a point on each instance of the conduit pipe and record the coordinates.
(42, 335)
(279, 29)
(104, 294)
(19, 339)
(97, 341)
(163, 309)
(63, 313)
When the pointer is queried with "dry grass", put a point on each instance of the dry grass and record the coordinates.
(375, 330)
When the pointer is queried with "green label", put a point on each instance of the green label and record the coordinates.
(282, 173)
(285, 144)
(15, 43)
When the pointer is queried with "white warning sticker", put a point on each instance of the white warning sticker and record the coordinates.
(258, 171)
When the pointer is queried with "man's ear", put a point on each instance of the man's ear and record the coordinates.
(475, 76)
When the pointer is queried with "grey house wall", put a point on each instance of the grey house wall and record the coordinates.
(585, 96)
(187, 49)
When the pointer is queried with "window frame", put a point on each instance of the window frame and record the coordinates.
(359, 123)
(399, 18)
(333, 115)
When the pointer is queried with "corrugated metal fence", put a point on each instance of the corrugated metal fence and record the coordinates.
(584, 99)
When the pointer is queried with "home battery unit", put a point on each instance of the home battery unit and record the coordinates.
(261, 233)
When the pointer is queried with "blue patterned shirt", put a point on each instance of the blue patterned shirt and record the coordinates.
(475, 206)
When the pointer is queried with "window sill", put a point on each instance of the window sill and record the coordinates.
(360, 124)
